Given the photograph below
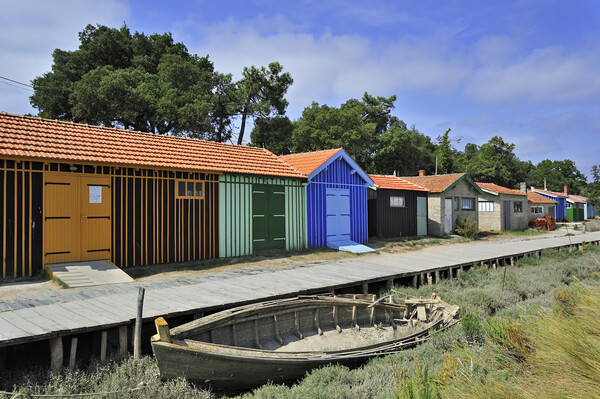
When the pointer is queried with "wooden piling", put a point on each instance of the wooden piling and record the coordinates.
(437, 276)
(415, 281)
(123, 340)
(137, 343)
(103, 342)
(73, 353)
(365, 288)
(56, 354)
(429, 279)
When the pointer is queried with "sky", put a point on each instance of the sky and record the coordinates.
(528, 71)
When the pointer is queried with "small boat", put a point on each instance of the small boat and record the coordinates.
(280, 340)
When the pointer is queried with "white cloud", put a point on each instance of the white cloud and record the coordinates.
(547, 75)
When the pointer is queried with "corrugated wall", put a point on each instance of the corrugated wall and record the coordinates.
(236, 212)
(337, 175)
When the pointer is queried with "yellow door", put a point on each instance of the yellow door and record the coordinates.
(77, 212)
(61, 218)
(94, 200)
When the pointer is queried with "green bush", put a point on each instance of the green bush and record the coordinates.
(471, 325)
(467, 227)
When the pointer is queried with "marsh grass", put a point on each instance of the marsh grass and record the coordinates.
(511, 344)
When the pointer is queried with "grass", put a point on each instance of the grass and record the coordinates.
(529, 334)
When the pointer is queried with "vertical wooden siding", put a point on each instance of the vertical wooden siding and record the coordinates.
(387, 221)
(336, 175)
(149, 224)
(21, 224)
(236, 213)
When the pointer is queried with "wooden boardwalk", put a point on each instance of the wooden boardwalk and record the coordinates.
(222, 290)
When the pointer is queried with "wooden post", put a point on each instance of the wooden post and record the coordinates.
(137, 343)
(581, 247)
(415, 281)
(73, 354)
(103, 341)
(512, 261)
(123, 340)
(422, 279)
(429, 279)
(56, 354)
(365, 288)
(162, 328)
(437, 276)
(450, 273)
(389, 284)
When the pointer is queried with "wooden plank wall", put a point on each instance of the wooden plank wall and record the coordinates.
(150, 224)
(21, 213)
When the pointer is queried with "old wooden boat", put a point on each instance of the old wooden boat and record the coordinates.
(281, 340)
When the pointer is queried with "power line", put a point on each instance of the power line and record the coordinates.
(14, 81)
(18, 87)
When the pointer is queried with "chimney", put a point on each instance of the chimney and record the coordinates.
(421, 173)
(524, 187)
(565, 190)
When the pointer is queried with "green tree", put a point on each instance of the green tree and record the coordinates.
(274, 134)
(403, 150)
(445, 159)
(558, 174)
(495, 162)
(260, 93)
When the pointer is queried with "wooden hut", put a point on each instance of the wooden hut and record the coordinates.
(336, 198)
(540, 206)
(73, 192)
(560, 198)
(397, 208)
(502, 208)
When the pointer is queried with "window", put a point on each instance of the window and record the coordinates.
(467, 204)
(456, 203)
(569, 205)
(517, 206)
(397, 202)
(486, 206)
(537, 209)
(189, 189)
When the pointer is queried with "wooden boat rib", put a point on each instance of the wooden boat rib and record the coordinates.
(280, 340)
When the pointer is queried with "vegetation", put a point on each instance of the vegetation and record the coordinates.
(521, 336)
(467, 227)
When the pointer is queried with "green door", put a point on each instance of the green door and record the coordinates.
(268, 216)
(421, 216)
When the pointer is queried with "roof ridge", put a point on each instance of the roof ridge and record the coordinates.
(281, 160)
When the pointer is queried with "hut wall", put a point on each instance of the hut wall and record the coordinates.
(235, 217)
(337, 175)
(387, 221)
(150, 222)
(21, 185)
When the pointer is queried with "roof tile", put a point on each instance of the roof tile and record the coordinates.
(395, 183)
(499, 189)
(535, 198)
(434, 183)
(308, 162)
(68, 141)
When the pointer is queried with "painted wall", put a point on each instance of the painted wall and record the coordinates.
(337, 175)
(436, 208)
(493, 220)
(387, 221)
(236, 212)
(561, 207)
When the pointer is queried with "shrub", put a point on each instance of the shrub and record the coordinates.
(471, 325)
(467, 227)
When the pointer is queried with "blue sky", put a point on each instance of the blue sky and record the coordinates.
(528, 71)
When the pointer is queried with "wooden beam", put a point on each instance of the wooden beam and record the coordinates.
(137, 343)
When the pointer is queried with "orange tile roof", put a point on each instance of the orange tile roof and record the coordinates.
(394, 183)
(552, 193)
(576, 200)
(499, 189)
(535, 198)
(581, 196)
(308, 162)
(51, 140)
(434, 183)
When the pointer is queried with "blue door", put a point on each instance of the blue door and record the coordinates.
(338, 214)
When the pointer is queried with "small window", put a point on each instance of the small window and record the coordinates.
(569, 205)
(537, 210)
(486, 206)
(397, 202)
(456, 204)
(467, 204)
(189, 189)
(517, 206)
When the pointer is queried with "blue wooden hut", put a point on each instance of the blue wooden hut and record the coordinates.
(336, 198)
(560, 198)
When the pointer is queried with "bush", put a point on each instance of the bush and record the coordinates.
(471, 325)
(467, 227)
